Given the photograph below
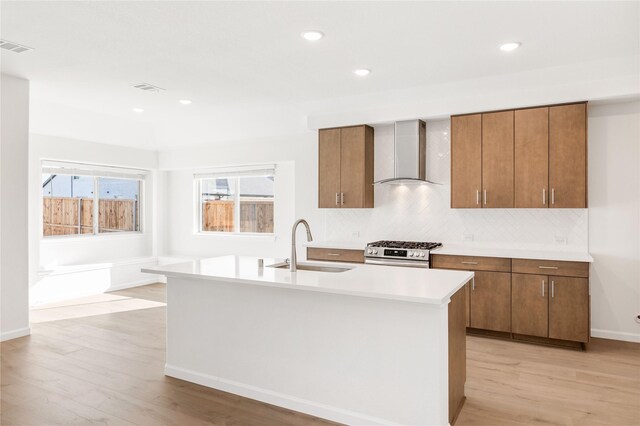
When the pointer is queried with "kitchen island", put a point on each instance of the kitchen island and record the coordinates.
(367, 345)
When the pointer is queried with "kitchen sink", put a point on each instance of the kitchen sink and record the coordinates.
(310, 267)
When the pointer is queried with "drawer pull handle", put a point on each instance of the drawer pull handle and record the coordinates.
(547, 267)
(469, 263)
(333, 254)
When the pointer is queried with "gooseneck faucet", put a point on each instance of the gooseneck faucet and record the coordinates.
(294, 258)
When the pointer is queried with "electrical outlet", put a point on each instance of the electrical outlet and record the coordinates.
(467, 236)
(561, 239)
(355, 234)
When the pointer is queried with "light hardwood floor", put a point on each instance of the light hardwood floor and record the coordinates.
(100, 361)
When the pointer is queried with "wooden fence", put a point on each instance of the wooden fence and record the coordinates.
(256, 215)
(66, 216)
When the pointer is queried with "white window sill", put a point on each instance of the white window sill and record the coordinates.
(91, 237)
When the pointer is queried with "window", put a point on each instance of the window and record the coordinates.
(236, 202)
(73, 195)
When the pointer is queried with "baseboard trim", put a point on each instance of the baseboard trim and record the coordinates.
(616, 335)
(14, 334)
(132, 284)
(275, 398)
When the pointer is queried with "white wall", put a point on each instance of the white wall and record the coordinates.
(295, 193)
(14, 151)
(63, 267)
(614, 219)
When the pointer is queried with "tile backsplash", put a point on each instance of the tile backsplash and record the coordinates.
(423, 213)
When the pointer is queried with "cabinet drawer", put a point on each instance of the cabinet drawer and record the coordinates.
(551, 267)
(335, 255)
(471, 263)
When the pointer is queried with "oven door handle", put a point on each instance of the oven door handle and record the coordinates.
(397, 262)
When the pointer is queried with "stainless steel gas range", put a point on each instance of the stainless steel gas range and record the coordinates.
(399, 253)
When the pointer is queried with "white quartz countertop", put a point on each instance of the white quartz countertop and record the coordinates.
(514, 253)
(421, 285)
(346, 245)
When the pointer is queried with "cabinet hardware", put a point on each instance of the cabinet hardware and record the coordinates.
(337, 199)
(477, 196)
(553, 289)
(553, 196)
(333, 254)
(547, 267)
(485, 197)
(342, 198)
(473, 283)
(469, 263)
(542, 286)
(544, 196)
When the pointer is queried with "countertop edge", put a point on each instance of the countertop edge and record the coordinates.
(422, 300)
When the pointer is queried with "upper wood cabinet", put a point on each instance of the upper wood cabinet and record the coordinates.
(568, 156)
(526, 158)
(531, 157)
(345, 167)
(497, 159)
(466, 160)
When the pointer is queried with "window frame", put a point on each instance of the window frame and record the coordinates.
(237, 174)
(96, 172)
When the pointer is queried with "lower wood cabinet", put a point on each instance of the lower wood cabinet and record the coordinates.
(569, 309)
(490, 301)
(530, 301)
(513, 296)
(335, 255)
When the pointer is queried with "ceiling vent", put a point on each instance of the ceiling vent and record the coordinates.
(14, 47)
(147, 87)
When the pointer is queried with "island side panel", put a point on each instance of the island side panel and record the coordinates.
(457, 353)
(345, 358)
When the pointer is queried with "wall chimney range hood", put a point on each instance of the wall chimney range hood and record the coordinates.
(409, 153)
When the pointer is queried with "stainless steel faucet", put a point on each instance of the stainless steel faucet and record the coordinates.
(294, 258)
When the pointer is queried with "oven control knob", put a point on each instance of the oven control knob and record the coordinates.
(411, 254)
(375, 251)
(421, 254)
(369, 251)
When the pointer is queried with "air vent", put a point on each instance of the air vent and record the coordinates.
(147, 87)
(14, 47)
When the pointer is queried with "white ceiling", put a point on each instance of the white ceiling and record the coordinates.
(250, 74)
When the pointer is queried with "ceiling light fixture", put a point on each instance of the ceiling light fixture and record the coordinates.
(137, 110)
(312, 35)
(362, 72)
(185, 101)
(508, 47)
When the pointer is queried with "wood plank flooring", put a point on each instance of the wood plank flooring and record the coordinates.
(99, 361)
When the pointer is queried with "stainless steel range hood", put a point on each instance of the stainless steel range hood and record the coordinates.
(409, 153)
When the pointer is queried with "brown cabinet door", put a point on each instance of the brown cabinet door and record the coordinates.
(491, 301)
(497, 159)
(466, 161)
(531, 158)
(530, 304)
(352, 152)
(329, 168)
(568, 156)
(569, 309)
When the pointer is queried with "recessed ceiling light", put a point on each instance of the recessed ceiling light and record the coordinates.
(185, 101)
(312, 35)
(508, 47)
(137, 110)
(362, 72)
